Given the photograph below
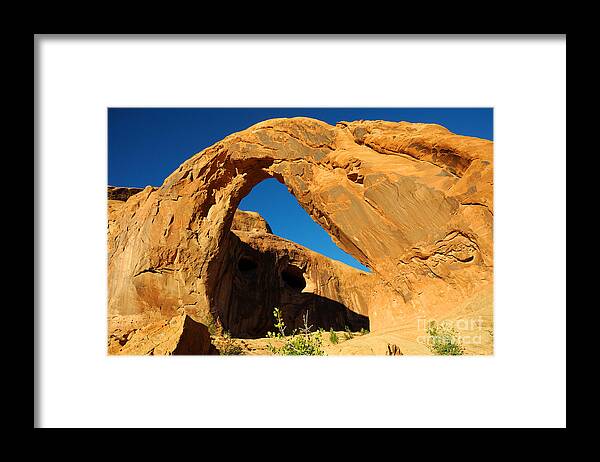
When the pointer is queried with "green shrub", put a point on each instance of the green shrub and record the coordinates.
(444, 340)
(348, 333)
(333, 338)
(229, 346)
(212, 328)
(363, 331)
(302, 342)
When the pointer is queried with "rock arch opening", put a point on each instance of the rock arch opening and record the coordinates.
(271, 199)
(260, 271)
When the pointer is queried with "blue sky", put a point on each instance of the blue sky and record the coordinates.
(146, 144)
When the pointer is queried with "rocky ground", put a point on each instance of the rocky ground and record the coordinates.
(260, 346)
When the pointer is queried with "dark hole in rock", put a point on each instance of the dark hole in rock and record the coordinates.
(468, 259)
(293, 277)
(246, 264)
(356, 178)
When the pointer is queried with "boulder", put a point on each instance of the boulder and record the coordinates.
(179, 335)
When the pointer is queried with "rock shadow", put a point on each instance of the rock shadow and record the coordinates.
(254, 282)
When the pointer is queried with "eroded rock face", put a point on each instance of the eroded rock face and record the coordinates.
(262, 271)
(413, 202)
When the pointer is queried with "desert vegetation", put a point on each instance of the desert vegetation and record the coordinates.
(229, 346)
(444, 339)
(301, 341)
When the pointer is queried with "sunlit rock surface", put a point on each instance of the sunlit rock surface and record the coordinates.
(413, 202)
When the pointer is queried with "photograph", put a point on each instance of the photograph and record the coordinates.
(300, 231)
(294, 231)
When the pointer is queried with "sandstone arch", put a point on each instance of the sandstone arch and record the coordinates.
(413, 202)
